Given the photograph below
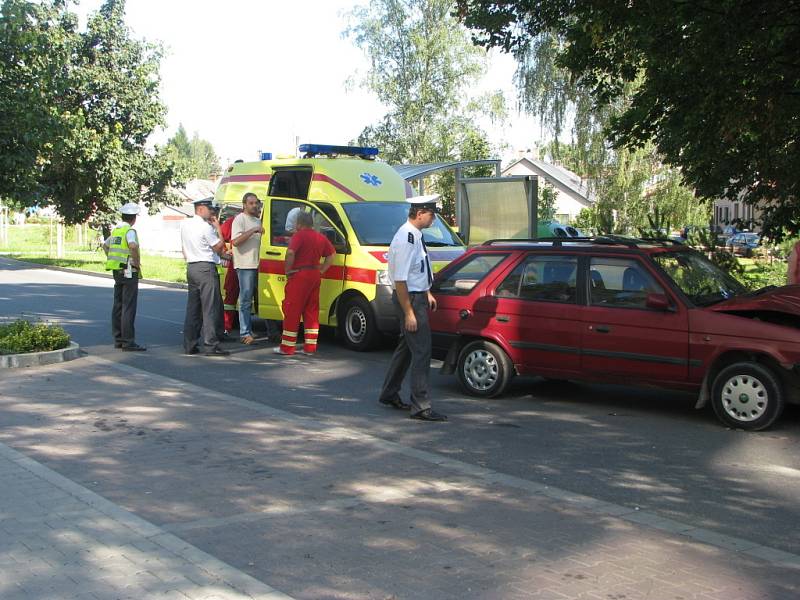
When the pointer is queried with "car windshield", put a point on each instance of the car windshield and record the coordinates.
(703, 282)
(375, 224)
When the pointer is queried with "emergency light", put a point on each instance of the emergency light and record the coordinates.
(311, 150)
(266, 156)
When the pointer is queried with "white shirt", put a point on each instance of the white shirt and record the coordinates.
(197, 238)
(408, 259)
(291, 220)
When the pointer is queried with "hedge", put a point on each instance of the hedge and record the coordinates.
(19, 337)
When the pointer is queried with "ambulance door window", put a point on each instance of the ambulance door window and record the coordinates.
(290, 183)
(279, 219)
(330, 211)
(326, 227)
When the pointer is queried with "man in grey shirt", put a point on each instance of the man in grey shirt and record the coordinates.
(246, 241)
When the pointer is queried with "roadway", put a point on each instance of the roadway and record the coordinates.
(633, 447)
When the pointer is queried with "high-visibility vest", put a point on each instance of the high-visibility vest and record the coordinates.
(118, 251)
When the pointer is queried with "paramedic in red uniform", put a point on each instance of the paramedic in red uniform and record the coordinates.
(304, 274)
(230, 292)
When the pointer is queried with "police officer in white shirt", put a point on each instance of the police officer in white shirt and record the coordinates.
(202, 246)
(411, 276)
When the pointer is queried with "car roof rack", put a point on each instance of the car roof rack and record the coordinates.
(558, 241)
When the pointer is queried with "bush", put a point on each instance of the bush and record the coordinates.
(23, 336)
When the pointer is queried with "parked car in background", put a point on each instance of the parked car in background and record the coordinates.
(744, 244)
(618, 310)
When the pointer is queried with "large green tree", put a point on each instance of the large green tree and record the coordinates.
(718, 83)
(423, 67)
(76, 110)
(194, 155)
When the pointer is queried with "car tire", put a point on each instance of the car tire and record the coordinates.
(747, 395)
(484, 369)
(358, 327)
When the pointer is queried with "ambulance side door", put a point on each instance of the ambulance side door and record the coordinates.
(271, 276)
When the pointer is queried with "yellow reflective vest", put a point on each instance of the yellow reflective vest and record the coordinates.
(118, 251)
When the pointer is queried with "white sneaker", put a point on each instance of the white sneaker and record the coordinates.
(277, 350)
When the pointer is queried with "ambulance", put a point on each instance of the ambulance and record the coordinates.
(356, 201)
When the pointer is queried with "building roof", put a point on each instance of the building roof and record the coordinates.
(556, 175)
(196, 189)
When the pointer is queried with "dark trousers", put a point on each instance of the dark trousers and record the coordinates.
(203, 306)
(412, 355)
(123, 313)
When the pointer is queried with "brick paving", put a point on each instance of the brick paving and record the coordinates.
(181, 490)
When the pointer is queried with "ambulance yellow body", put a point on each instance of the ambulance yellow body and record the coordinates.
(358, 203)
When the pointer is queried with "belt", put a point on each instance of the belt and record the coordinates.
(425, 292)
(304, 267)
(201, 262)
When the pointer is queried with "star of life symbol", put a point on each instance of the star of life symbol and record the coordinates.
(371, 179)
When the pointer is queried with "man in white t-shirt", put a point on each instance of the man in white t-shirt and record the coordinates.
(202, 247)
(246, 241)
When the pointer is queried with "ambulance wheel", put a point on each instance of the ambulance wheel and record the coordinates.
(357, 325)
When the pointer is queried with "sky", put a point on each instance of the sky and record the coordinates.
(255, 75)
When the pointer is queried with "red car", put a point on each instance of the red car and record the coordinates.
(619, 310)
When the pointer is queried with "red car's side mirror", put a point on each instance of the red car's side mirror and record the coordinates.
(658, 302)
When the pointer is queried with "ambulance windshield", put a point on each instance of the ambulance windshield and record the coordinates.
(375, 224)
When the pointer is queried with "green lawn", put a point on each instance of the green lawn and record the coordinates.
(759, 273)
(31, 243)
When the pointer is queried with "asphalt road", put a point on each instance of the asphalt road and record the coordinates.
(645, 448)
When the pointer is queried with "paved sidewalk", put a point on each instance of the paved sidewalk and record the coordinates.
(313, 509)
(60, 541)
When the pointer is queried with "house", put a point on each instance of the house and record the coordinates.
(160, 233)
(727, 211)
(572, 193)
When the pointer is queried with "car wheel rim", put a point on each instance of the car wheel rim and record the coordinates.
(356, 325)
(744, 398)
(481, 370)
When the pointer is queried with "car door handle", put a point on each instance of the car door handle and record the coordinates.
(601, 328)
(503, 318)
(272, 253)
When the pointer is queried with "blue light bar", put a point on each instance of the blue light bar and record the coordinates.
(266, 156)
(311, 150)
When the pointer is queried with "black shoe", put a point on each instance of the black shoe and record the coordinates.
(395, 403)
(118, 344)
(133, 348)
(428, 415)
(191, 351)
(217, 352)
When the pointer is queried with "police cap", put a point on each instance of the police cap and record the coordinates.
(428, 202)
(131, 208)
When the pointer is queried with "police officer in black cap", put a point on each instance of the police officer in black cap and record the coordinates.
(202, 248)
(411, 276)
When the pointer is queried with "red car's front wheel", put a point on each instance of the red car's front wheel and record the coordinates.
(747, 395)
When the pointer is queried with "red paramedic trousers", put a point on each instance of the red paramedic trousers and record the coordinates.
(302, 299)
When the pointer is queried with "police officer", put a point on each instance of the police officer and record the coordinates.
(202, 248)
(411, 276)
(123, 259)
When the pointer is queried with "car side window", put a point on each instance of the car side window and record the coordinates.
(543, 278)
(464, 277)
(620, 282)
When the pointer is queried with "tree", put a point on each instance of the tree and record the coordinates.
(82, 105)
(195, 156)
(717, 84)
(422, 67)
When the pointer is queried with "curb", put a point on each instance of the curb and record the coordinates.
(169, 284)
(38, 359)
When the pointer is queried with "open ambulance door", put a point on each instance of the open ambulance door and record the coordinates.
(271, 276)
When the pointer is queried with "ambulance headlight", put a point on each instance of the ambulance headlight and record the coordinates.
(382, 278)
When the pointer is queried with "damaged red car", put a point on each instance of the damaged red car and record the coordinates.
(623, 311)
